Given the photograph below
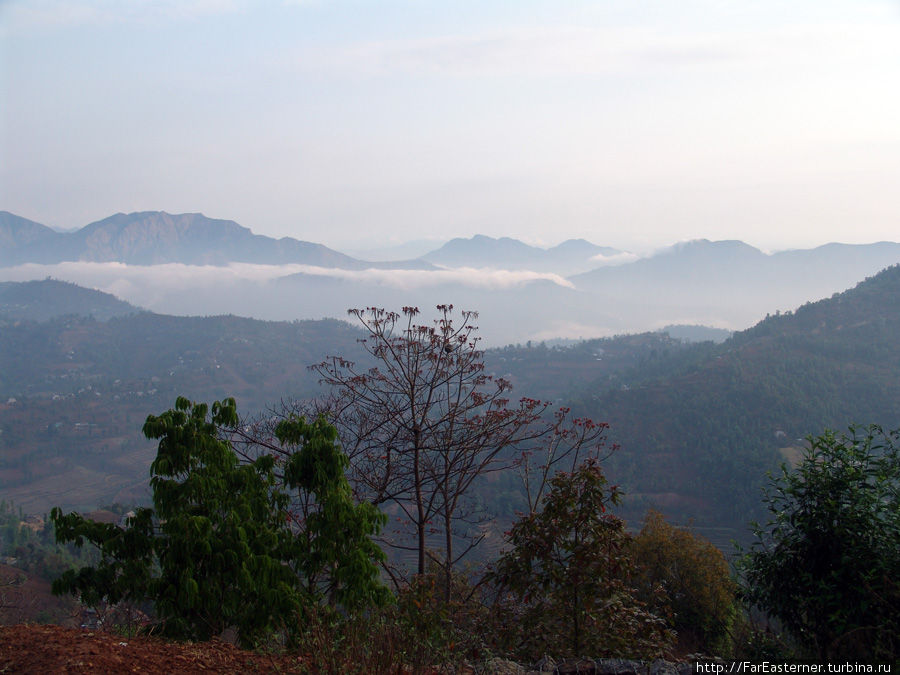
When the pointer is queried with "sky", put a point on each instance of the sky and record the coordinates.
(363, 124)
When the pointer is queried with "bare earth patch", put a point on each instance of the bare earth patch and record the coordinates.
(54, 649)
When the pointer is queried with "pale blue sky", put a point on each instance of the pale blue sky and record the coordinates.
(630, 123)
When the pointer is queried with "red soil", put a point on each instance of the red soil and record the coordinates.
(49, 649)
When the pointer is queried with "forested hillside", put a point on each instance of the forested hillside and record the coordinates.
(698, 424)
(42, 300)
(75, 391)
(700, 427)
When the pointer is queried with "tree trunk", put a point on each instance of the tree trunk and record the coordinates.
(448, 561)
(420, 507)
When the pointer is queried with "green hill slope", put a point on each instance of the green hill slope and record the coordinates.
(698, 424)
(43, 300)
(74, 392)
(699, 428)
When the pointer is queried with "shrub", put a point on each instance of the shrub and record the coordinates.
(696, 578)
(565, 583)
(827, 563)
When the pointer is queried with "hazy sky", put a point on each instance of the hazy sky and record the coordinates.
(630, 123)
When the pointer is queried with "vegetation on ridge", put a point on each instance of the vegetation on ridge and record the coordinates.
(701, 426)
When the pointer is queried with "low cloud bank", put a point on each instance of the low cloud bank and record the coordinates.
(466, 276)
(119, 278)
(613, 260)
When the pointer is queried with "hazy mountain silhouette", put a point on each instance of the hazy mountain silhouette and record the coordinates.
(155, 237)
(728, 281)
(42, 300)
(570, 257)
(725, 284)
(23, 240)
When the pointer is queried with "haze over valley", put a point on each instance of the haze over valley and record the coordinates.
(188, 264)
(81, 369)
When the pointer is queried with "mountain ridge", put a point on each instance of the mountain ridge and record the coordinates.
(524, 296)
(508, 253)
(712, 415)
(157, 237)
(48, 298)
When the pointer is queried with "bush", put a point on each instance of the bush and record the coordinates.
(827, 563)
(696, 578)
(421, 631)
(565, 584)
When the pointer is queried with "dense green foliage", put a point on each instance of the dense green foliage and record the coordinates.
(219, 548)
(827, 563)
(698, 592)
(334, 549)
(569, 572)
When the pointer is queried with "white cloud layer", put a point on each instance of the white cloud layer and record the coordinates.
(131, 282)
(615, 259)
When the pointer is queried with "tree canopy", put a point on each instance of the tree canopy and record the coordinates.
(569, 571)
(699, 593)
(221, 546)
(827, 562)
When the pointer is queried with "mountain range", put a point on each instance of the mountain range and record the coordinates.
(712, 419)
(156, 237)
(574, 290)
(570, 257)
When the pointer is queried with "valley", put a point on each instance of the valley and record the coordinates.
(698, 425)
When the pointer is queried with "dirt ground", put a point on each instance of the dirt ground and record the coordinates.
(46, 649)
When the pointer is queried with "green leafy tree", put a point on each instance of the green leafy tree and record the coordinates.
(336, 556)
(568, 575)
(827, 563)
(699, 591)
(220, 548)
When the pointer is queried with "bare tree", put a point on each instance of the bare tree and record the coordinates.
(423, 424)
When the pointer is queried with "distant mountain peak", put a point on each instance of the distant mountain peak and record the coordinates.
(570, 243)
(156, 237)
(712, 243)
(570, 257)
